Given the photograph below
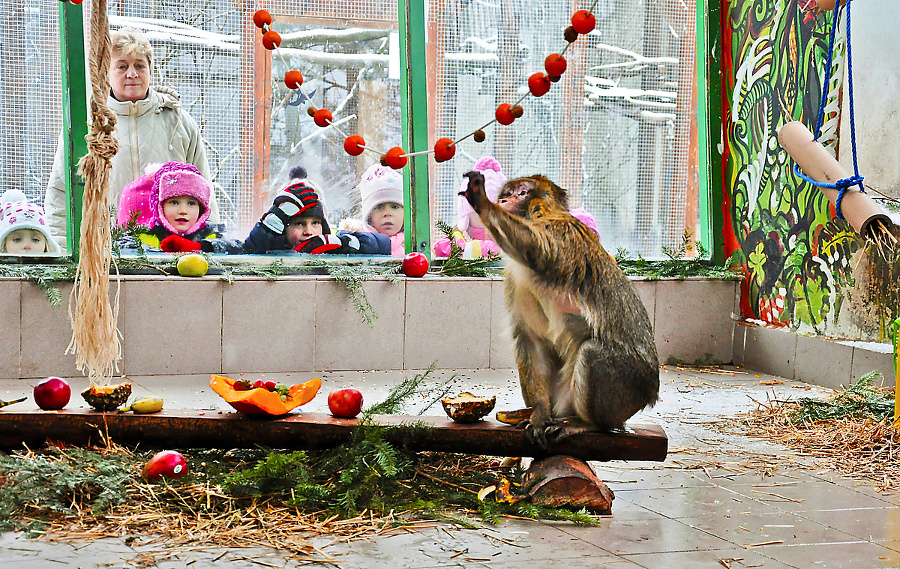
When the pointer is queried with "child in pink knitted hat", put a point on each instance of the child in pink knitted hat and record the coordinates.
(179, 208)
(470, 233)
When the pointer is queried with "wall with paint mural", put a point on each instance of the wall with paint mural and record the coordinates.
(803, 268)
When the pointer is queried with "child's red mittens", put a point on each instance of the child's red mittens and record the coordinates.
(319, 244)
(178, 244)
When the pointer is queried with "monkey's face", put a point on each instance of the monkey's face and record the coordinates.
(514, 194)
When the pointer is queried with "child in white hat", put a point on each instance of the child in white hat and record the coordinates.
(23, 228)
(381, 190)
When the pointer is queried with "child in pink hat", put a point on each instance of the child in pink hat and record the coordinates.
(178, 208)
(470, 234)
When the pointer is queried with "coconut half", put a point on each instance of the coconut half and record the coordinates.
(468, 407)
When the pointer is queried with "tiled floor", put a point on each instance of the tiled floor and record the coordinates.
(719, 500)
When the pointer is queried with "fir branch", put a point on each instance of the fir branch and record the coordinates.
(45, 276)
(456, 266)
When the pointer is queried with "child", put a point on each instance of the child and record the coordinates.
(297, 221)
(23, 229)
(470, 234)
(381, 190)
(179, 208)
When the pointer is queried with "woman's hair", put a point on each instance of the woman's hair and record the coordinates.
(130, 41)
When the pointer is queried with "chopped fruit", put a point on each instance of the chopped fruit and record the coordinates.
(583, 22)
(322, 117)
(262, 18)
(504, 114)
(444, 149)
(293, 79)
(271, 40)
(539, 84)
(262, 401)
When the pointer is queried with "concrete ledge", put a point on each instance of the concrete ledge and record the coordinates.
(177, 326)
(821, 361)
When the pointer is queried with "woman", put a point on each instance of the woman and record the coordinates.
(152, 128)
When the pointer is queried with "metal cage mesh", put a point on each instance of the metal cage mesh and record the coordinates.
(618, 131)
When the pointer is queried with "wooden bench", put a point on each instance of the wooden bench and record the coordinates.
(561, 476)
(218, 429)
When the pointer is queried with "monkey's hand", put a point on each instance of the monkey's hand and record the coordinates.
(475, 193)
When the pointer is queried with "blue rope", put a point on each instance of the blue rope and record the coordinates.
(843, 184)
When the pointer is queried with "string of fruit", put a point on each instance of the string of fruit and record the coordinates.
(539, 84)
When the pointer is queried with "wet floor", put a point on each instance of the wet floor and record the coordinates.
(719, 500)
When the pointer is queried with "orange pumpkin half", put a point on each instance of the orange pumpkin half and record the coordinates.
(261, 401)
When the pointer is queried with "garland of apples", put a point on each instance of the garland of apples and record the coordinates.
(539, 84)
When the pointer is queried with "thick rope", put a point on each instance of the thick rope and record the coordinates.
(95, 339)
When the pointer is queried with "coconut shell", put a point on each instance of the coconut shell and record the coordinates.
(468, 407)
(107, 397)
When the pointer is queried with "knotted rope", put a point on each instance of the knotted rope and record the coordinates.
(95, 339)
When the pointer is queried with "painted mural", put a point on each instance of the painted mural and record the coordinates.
(796, 255)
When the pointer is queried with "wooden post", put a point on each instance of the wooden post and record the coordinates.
(567, 481)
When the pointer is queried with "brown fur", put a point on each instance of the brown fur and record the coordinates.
(583, 341)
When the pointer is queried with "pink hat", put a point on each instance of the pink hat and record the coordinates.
(493, 182)
(177, 179)
(136, 198)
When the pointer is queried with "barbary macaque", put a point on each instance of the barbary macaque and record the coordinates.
(583, 340)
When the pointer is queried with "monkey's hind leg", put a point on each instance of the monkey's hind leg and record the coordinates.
(612, 385)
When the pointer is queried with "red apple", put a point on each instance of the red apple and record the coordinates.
(52, 393)
(414, 265)
(165, 463)
(345, 403)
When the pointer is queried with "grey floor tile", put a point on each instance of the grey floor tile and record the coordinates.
(653, 535)
(783, 527)
(870, 524)
(678, 503)
(734, 558)
(853, 555)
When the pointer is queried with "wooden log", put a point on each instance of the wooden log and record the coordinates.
(218, 429)
(568, 482)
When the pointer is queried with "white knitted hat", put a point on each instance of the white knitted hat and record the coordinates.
(16, 212)
(377, 186)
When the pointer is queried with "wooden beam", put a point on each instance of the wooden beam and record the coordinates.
(222, 429)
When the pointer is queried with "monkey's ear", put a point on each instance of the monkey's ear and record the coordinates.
(559, 194)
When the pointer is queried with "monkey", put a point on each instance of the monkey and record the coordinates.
(583, 341)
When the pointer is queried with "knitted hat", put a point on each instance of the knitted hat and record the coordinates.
(175, 179)
(493, 181)
(16, 212)
(136, 198)
(377, 186)
(299, 181)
